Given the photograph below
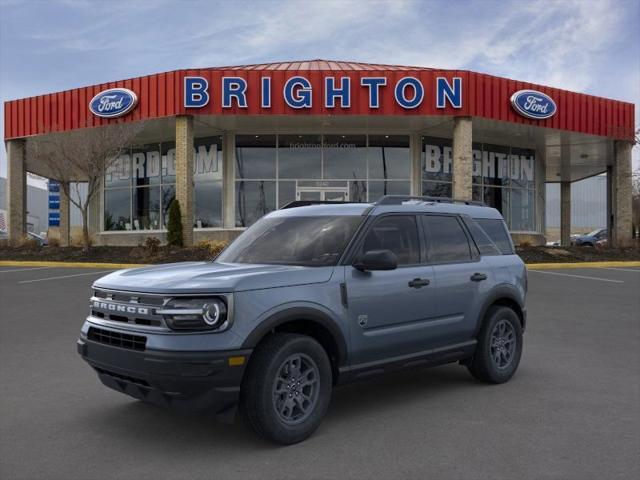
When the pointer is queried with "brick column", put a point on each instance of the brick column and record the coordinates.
(16, 191)
(415, 147)
(184, 174)
(565, 213)
(621, 185)
(228, 180)
(65, 218)
(462, 158)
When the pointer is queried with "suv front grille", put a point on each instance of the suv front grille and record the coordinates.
(117, 339)
(130, 308)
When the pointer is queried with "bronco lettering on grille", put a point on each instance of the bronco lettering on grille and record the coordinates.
(117, 307)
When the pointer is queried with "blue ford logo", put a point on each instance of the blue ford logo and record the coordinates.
(114, 102)
(533, 104)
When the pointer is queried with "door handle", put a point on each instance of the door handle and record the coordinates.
(478, 277)
(419, 282)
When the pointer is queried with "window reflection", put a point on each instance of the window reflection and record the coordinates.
(503, 177)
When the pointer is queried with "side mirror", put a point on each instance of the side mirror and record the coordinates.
(377, 260)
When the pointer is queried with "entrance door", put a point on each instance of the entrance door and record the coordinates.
(325, 193)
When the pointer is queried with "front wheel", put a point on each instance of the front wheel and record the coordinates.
(499, 346)
(287, 388)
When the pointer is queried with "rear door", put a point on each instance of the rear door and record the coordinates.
(461, 277)
(390, 311)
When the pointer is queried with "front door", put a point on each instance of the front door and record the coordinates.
(391, 312)
(323, 191)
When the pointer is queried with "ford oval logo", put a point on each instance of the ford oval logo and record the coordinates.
(114, 102)
(533, 104)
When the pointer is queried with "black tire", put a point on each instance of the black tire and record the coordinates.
(270, 362)
(495, 364)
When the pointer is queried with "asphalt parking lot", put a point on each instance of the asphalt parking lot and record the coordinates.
(571, 412)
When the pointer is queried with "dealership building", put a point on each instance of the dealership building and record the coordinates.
(233, 143)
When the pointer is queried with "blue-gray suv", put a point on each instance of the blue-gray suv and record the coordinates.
(309, 297)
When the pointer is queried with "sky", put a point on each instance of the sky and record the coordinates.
(581, 45)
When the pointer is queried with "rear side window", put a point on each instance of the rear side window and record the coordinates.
(398, 234)
(497, 232)
(447, 240)
(482, 240)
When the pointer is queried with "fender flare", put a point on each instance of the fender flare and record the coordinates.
(299, 313)
(500, 292)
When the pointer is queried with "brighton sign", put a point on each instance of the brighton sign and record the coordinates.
(113, 103)
(533, 104)
(408, 92)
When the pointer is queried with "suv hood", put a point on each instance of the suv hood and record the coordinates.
(211, 277)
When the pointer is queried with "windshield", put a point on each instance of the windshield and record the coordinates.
(308, 241)
(594, 233)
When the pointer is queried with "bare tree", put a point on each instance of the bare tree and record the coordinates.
(82, 156)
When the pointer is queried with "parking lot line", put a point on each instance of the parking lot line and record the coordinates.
(65, 276)
(637, 270)
(23, 269)
(578, 276)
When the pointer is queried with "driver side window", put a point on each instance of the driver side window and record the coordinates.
(396, 233)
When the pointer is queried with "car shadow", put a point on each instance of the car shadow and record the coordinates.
(136, 421)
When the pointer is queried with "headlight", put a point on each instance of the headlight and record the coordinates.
(195, 314)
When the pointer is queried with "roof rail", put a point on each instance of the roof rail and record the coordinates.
(398, 199)
(306, 203)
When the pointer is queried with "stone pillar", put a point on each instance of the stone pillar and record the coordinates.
(16, 191)
(621, 234)
(565, 213)
(184, 174)
(228, 180)
(462, 158)
(65, 216)
(415, 147)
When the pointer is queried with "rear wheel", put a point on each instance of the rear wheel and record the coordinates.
(287, 388)
(499, 346)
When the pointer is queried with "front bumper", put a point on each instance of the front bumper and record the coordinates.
(194, 381)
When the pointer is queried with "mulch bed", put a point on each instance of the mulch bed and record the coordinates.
(577, 254)
(173, 254)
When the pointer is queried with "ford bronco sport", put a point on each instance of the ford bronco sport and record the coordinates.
(308, 297)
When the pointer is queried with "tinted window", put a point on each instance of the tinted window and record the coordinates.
(307, 241)
(398, 234)
(498, 233)
(481, 239)
(447, 240)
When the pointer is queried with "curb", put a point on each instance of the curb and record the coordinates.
(530, 266)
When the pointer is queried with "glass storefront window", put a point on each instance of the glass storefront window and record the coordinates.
(389, 157)
(436, 189)
(168, 162)
(522, 167)
(207, 176)
(117, 205)
(503, 178)
(145, 165)
(168, 194)
(256, 156)
(146, 208)
(344, 156)
(437, 163)
(253, 200)
(118, 174)
(379, 188)
(357, 168)
(300, 156)
(151, 172)
(521, 210)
